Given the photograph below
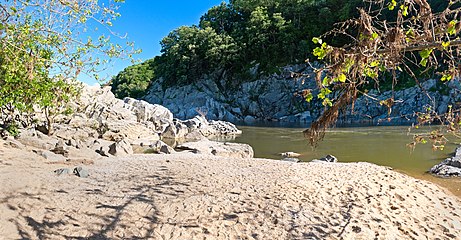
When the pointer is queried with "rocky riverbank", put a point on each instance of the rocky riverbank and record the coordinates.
(278, 98)
(86, 181)
(103, 126)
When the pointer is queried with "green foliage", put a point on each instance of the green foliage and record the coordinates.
(134, 80)
(12, 129)
(232, 38)
(191, 52)
(42, 52)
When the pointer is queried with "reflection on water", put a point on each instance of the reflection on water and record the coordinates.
(380, 145)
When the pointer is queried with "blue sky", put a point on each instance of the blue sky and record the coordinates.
(147, 21)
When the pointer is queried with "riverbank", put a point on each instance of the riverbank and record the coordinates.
(190, 196)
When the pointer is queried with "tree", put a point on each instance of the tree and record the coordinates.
(42, 51)
(388, 36)
(134, 80)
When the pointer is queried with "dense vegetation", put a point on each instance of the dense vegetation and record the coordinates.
(230, 39)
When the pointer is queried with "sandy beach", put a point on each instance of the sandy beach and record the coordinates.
(187, 196)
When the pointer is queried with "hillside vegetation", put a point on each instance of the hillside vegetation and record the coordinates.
(231, 40)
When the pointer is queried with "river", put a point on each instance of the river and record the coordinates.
(385, 145)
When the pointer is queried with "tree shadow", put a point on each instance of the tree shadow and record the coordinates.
(106, 216)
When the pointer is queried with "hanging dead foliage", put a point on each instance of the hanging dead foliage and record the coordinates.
(416, 37)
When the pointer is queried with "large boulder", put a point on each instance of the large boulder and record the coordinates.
(160, 147)
(99, 146)
(223, 149)
(120, 148)
(36, 139)
(51, 156)
(145, 111)
(450, 166)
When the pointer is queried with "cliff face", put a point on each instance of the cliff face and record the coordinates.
(277, 98)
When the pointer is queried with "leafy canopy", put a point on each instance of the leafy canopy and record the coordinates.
(232, 39)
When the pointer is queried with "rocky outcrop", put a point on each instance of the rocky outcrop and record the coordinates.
(103, 126)
(223, 149)
(278, 98)
(274, 98)
(450, 166)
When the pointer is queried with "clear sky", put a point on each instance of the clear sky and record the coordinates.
(147, 21)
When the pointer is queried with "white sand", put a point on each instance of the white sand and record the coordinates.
(186, 196)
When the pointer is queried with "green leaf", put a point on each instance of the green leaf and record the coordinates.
(446, 77)
(452, 27)
(374, 63)
(309, 97)
(374, 36)
(323, 93)
(342, 78)
(425, 53)
(327, 102)
(404, 9)
(423, 62)
(320, 53)
(392, 5)
(445, 45)
(317, 40)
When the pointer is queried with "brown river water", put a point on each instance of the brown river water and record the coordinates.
(385, 146)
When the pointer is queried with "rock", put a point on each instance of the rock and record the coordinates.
(11, 142)
(51, 156)
(100, 146)
(67, 133)
(206, 147)
(249, 119)
(327, 158)
(36, 139)
(290, 159)
(290, 155)
(83, 154)
(145, 111)
(60, 148)
(224, 128)
(74, 143)
(62, 171)
(176, 131)
(143, 142)
(196, 122)
(194, 136)
(450, 166)
(160, 147)
(120, 148)
(445, 170)
(81, 172)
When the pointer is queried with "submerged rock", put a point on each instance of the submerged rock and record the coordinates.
(290, 155)
(291, 159)
(327, 158)
(449, 167)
